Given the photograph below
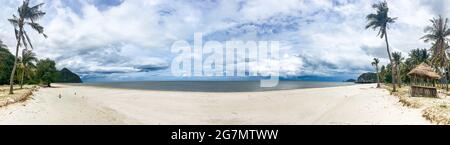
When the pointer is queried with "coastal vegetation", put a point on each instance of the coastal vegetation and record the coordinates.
(27, 65)
(380, 21)
(26, 70)
(27, 16)
(398, 70)
(46, 71)
(6, 63)
(31, 70)
(436, 110)
(375, 63)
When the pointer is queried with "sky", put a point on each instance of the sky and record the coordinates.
(125, 40)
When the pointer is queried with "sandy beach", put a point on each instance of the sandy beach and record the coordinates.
(67, 104)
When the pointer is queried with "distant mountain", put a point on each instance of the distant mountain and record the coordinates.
(350, 80)
(67, 76)
(339, 78)
(367, 78)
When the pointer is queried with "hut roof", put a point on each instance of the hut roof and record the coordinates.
(424, 70)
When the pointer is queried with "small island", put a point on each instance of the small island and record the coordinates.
(350, 81)
(367, 78)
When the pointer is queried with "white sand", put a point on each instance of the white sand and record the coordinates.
(358, 104)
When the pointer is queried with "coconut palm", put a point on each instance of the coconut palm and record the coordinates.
(2, 45)
(417, 56)
(28, 61)
(382, 73)
(375, 63)
(26, 16)
(380, 21)
(397, 56)
(437, 33)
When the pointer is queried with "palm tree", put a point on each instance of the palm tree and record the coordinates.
(375, 63)
(2, 45)
(383, 74)
(417, 56)
(380, 20)
(397, 56)
(27, 61)
(438, 33)
(26, 16)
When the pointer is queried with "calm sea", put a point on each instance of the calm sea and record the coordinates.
(215, 86)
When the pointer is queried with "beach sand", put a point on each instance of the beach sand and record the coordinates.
(357, 104)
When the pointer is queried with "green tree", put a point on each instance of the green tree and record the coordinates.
(437, 33)
(388, 73)
(6, 63)
(46, 71)
(398, 58)
(26, 63)
(416, 57)
(26, 16)
(383, 74)
(375, 63)
(3, 45)
(380, 20)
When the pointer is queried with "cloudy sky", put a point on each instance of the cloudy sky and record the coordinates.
(131, 39)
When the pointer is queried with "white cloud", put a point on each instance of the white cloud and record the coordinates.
(321, 37)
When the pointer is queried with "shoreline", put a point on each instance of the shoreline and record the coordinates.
(219, 86)
(355, 104)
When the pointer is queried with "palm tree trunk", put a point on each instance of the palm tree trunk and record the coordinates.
(11, 79)
(446, 79)
(399, 80)
(394, 89)
(21, 79)
(378, 77)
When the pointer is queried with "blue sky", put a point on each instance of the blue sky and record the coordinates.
(131, 40)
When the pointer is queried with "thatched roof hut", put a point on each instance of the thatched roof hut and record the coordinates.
(423, 81)
(424, 71)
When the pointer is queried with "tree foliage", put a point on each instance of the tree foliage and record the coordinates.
(6, 63)
(46, 71)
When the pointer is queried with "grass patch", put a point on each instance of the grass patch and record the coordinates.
(404, 97)
(437, 110)
(18, 96)
(439, 114)
(410, 102)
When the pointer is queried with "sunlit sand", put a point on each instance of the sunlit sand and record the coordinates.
(66, 104)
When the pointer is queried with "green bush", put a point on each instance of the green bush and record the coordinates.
(6, 64)
(46, 71)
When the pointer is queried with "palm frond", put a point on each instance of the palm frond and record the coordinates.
(28, 39)
(16, 32)
(38, 28)
(2, 45)
(380, 20)
(14, 21)
(23, 9)
(36, 7)
(372, 24)
(34, 16)
(429, 37)
(24, 42)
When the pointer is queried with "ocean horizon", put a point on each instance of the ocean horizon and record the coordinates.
(214, 85)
